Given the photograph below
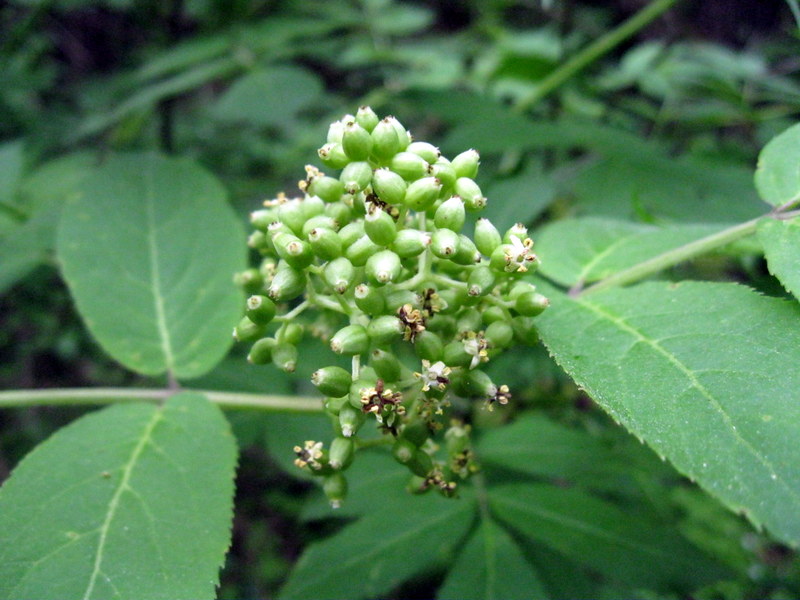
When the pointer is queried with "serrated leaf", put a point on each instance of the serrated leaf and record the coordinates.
(778, 174)
(134, 248)
(376, 553)
(781, 242)
(585, 250)
(491, 567)
(596, 533)
(706, 374)
(134, 501)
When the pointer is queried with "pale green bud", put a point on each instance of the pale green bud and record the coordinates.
(466, 252)
(383, 267)
(428, 152)
(450, 214)
(422, 193)
(369, 300)
(385, 141)
(350, 340)
(386, 364)
(384, 330)
(335, 488)
(247, 331)
(293, 250)
(380, 226)
(487, 238)
(525, 331)
(260, 309)
(284, 356)
(339, 274)
(466, 164)
(367, 118)
(351, 233)
(291, 214)
(356, 141)
(403, 136)
(350, 419)
(481, 281)
(325, 243)
(389, 186)
(323, 221)
(327, 188)
(261, 352)
(531, 304)
(332, 381)
(341, 453)
(470, 193)
(261, 219)
(356, 176)
(287, 284)
(332, 155)
(361, 250)
(410, 166)
(444, 243)
(444, 172)
(410, 243)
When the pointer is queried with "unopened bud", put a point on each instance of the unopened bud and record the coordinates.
(341, 453)
(410, 166)
(385, 141)
(367, 118)
(487, 238)
(390, 187)
(466, 164)
(339, 274)
(428, 152)
(260, 309)
(356, 176)
(350, 340)
(261, 352)
(383, 267)
(380, 226)
(450, 214)
(384, 330)
(356, 141)
(332, 155)
(422, 193)
(332, 381)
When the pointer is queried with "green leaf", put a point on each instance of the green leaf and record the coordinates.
(373, 555)
(594, 532)
(705, 373)
(134, 501)
(135, 248)
(781, 242)
(778, 172)
(491, 567)
(260, 97)
(589, 249)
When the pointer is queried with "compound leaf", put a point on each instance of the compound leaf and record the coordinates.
(491, 567)
(778, 175)
(134, 501)
(625, 547)
(781, 242)
(376, 553)
(134, 247)
(706, 374)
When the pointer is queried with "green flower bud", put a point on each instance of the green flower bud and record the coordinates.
(312, 206)
(333, 155)
(487, 238)
(404, 450)
(390, 187)
(369, 300)
(452, 300)
(410, 166)
(492, 314)
(323, 221)
(335, 132)
(293, 250)
(384, 330)
(517, 230)
(466, 164)
(291, 214)
(261, 219)
(416, 432)
(356, 141)
(350, 340)
(250, 280)
(410, 243)
(340, 213)
(332, 381)
(260, 309)
(367, 118)
(386, 364)
(334, 405)
(325, 243)
(480, 281)
(341, 453)
(261, 351)
(385, 141)
(444, 243)
(469, 191)
(361, 250)
(356, 177)
(284, 356)
(455, 355)
(422, 193)
(499, 334)
(260, 241)
(383, 267)
(350, 419)
(456, 439)
(398, 298)
(525, 331)
(428, 346)
(421, 464)
(444, 325)
(287, 284)
(351, 232)
(247, 331)
(519, 288)
(291, 333)
(479, 384)
(380, 226)
(327, 188)
(469, 319)
(428, 152)
(339, 274)
(335, 488)
(531, 304)
(403, 136)
(444, 172)
(450, 214)
(466, 252)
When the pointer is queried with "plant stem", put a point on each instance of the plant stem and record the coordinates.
(594, 51)
(83, 396)
(672, 257)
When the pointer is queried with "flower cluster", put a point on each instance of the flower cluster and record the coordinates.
(376, 262)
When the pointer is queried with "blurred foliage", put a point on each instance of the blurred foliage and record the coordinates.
(664, 130)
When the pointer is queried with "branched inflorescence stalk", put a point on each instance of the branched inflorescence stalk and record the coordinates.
(375, 263)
